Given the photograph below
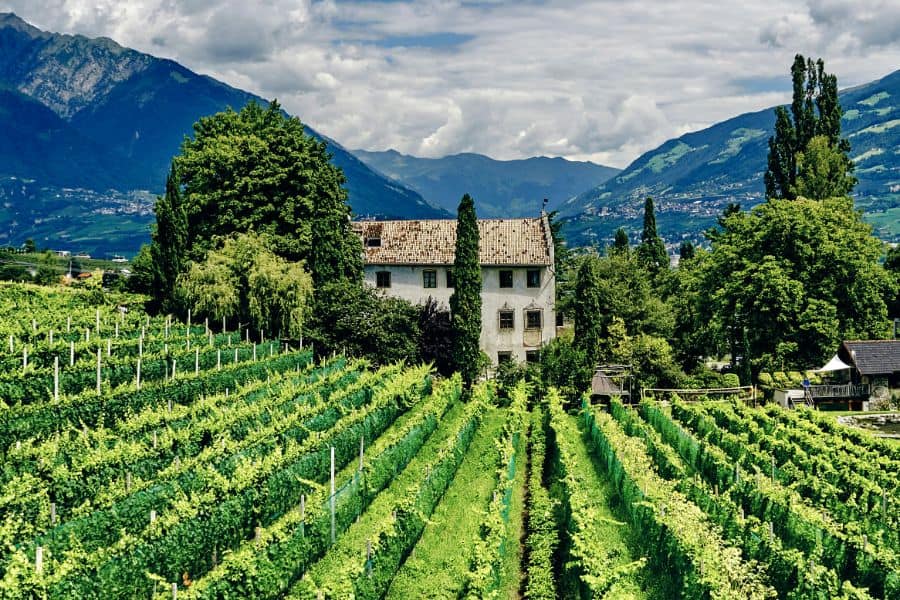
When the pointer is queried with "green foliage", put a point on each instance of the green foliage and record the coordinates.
(245, 281)
(168, 246)
(789, 280)
(564, 367)
(822, 171)
(892, 266)
(465, 302)
(620, 242)
(587, 306)
(651, 251)
(686, 252)
(359, 321)
(807, 156)
(436, 336)
(542, 539)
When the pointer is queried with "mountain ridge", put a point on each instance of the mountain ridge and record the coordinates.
(124, 114)
(694, 176)
(501, 188)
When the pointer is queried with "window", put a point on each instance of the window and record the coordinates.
(429, 279)
(533, 277)
(533, 319)
(506, 279)
(506, 319)
(383, 279)
(532, 356)
(373, 242)
(503, 357)
(450, 281)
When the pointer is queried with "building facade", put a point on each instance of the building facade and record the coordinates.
(413, 260)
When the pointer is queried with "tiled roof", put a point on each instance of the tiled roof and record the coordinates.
(874, 357)
(433, 242)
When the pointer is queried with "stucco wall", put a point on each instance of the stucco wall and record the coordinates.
(407, 283)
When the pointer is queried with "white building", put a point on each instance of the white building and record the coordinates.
(413, 260)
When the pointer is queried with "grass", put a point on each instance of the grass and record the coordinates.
(607, 524)
(438, 564)
(351, 546)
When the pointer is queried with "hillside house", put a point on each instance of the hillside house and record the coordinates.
(413, 260)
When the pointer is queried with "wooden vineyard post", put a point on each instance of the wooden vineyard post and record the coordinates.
(223, 327)
(189, 323)
(174, 591)
(39, 560)
(332, 498)
(108, 347)
(174, 362)
(218, 360)
(196, 361)
(56, 378)
(138, 373)
(98, 321)
(141, 344)
(235, 355)
(117, 330)
(98, 371)
(254, 352)
(53, 513)
(68, 324)
(24, 358)
(51, 337)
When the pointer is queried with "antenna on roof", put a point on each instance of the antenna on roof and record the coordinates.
(544, 206)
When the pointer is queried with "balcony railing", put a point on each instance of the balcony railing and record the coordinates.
(839, 391)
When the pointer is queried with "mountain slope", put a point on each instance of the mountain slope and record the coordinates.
(692, 178)
(513, 188)
(120, 116)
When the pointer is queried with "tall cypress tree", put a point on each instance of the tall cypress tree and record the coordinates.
(168, 243)
(652, 251)
(815, 112)
(587, 307)
(465, 303)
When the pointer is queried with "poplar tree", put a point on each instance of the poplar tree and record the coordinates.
(815, 112)
(168, 244)
(652, 251)
(465, 302)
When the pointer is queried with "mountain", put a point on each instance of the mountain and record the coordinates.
(692, 178)
(90, 122)
(501, 188)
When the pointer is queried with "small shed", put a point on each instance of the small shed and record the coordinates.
(875, 363)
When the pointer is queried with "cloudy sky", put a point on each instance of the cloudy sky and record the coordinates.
(601, 81)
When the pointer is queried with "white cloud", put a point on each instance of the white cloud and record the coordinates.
(582, 79)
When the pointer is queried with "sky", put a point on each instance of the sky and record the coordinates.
(602, 81)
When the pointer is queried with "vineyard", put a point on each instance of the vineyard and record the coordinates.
(148, 458)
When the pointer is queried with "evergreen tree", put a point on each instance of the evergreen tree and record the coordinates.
(652, 251)
(686, 251)
(168, 244)
(465, 303)
(815, 111)
(620, 243)
(587, 309)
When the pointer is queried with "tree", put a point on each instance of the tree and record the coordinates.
(892, 266)
(257, 170)
(29, 246)
(652, 251)
(359, 321)
(168, 245)
(686, 251)
(620, 242)
(465, 302)
(436, 336)
(587, 309)
(245, 281)
(791, 278)
(815, 112)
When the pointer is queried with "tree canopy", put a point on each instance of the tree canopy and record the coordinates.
(651, 251)
(257, 170)
(245, 281)
(786, 281)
